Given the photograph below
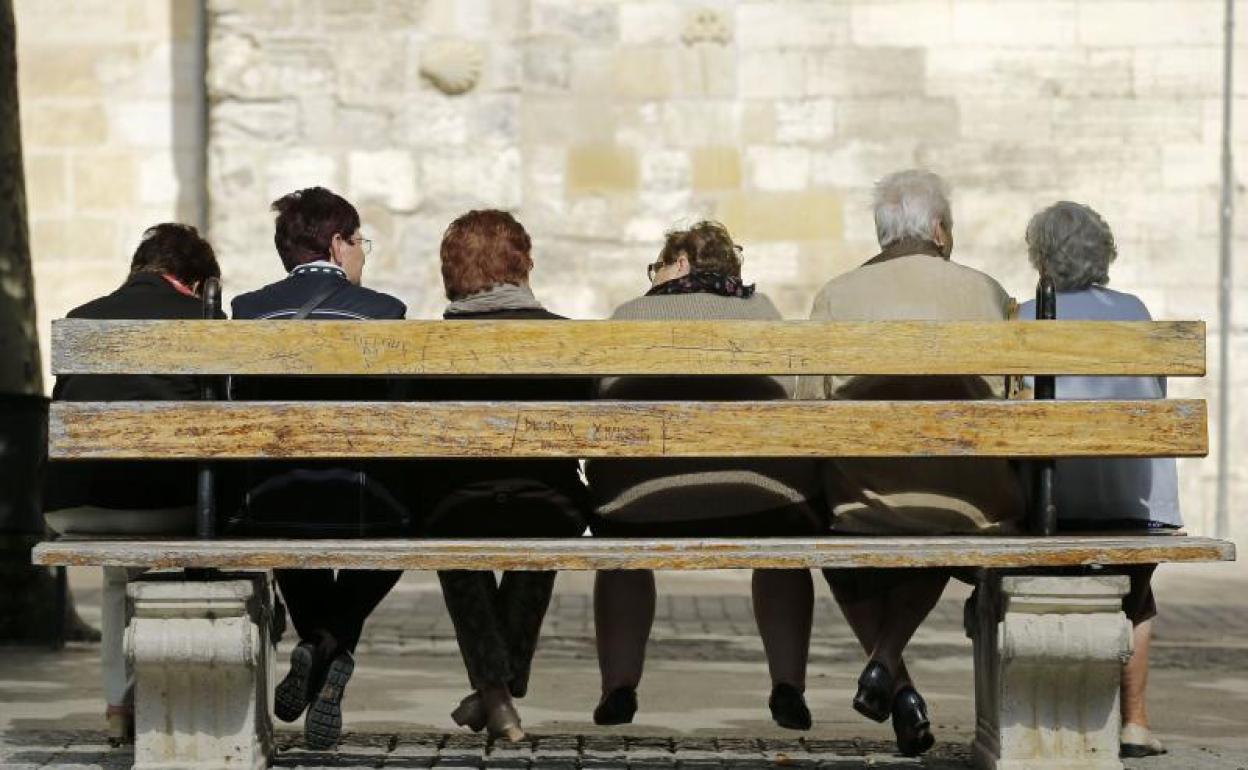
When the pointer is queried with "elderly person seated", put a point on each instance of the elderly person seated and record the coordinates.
(698, 277)
(317, 235)
(911, 279)
(132, 498)
(1072, 244)
(486, 263)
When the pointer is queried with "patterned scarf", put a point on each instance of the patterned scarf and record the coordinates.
(704, 282)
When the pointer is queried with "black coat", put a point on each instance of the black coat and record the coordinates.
(500, 498)
(127, 484)
(296, 497)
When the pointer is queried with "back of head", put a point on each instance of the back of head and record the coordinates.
(707, 245)
(177, 250)
(307, 221)
(1070, 243)
(908, 204)
(482, 249)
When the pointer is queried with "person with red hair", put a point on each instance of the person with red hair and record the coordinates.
(486, 261)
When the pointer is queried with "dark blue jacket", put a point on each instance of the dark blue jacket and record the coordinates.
(284, 298)
(308, 491)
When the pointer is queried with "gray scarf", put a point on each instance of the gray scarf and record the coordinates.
(503, 296)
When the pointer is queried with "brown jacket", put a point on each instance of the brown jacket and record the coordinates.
(923, 496)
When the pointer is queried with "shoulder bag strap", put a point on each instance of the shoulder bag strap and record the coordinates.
(315, 301)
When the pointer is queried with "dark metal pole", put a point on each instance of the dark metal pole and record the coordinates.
(205, 503)
(1044, 521)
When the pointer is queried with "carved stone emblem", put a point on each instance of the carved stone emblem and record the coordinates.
(454, 66)
(706, 25)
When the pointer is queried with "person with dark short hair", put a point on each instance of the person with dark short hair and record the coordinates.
(486, 260)
(317, 235)
(169, 266)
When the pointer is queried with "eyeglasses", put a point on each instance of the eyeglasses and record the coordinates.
(365, 245)
(653, 268)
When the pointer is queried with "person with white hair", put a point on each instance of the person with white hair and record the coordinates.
(1073, 245)
(911, 279)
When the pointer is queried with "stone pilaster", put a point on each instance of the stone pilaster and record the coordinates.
(1048, 661)
(200, 651)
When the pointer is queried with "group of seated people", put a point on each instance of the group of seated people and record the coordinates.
(486, 262)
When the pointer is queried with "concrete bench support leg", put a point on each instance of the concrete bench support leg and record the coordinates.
(1048, 661)
(200, 651)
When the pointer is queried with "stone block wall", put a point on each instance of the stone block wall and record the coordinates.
(602, 123)
(111, 105)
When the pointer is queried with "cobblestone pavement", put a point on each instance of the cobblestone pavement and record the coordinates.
(83, 750)
(702, 700)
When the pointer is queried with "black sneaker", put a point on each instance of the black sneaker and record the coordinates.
(788, 707)
(292, 695)
(323, 725)
(617, 707)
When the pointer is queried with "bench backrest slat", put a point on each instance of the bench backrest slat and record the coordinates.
(207, 430)
(627, 347)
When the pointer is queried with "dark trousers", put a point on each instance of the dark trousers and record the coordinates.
(497, 623)
(321, 602)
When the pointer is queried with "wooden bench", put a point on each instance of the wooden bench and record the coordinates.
(1033, 623)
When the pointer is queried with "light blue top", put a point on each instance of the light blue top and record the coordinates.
(1102, 489)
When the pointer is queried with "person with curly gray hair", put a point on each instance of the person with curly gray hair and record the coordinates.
(1073, 245)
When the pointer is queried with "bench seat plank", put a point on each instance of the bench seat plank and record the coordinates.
(604, 553)
(240, 430)
(1173, 348)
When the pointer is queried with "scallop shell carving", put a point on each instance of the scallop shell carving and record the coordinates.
(454, 66)
(706, 25)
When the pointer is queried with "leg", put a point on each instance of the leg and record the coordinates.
(1140, 608)
(305, 592)
(784, 603)
(521, 604)
(118, 681)
(907, 606)
(358, 592)
(864, 612)
(469, 597)
(1135, 677)
(623, 614)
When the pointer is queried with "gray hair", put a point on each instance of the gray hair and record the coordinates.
(907, 203)
(1072, 244)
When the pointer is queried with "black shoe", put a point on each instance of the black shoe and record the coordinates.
(874, 698)
(616, 707)
(323, 725)
(788, 707)
(911, 723)
(292, 695)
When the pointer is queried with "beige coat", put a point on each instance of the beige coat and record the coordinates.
(924, 496)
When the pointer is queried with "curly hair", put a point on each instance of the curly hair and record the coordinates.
(176, 249)
(307, 221)
(1072, 244)
(707, 245)
(481, 249)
